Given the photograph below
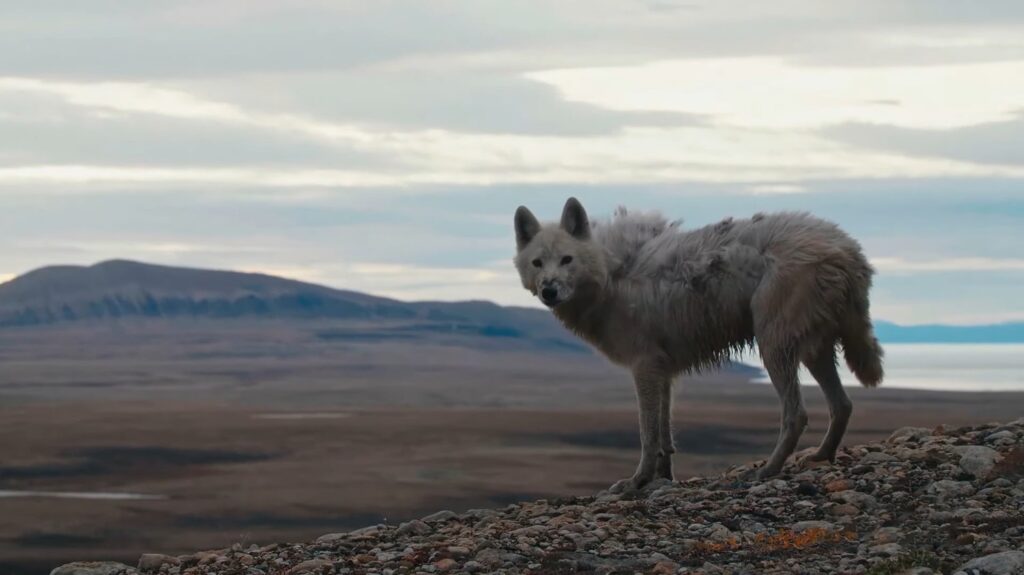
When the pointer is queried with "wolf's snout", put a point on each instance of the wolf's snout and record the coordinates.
(549, 295)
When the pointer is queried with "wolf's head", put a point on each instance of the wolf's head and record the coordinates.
(558, 262)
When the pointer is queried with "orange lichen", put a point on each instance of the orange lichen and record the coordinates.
(784, 539)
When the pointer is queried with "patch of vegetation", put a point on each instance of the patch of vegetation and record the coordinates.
(906, 561)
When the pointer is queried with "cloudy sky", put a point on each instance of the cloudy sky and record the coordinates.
(384, 145)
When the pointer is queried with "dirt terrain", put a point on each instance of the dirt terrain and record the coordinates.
(187, 435)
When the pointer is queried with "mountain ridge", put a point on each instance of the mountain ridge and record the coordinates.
(118, 288)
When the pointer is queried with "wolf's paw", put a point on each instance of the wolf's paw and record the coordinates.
(815, 459)
(765, 472)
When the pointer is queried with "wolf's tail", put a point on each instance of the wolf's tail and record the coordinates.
(860, 346)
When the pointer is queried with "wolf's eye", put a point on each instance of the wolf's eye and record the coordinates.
(537, 263)
(566, 260)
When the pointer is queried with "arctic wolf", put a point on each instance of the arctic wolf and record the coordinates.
(662, 301)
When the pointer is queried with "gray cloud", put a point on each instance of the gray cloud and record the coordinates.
(994, 143)
(192, 39)
(42, 130)
(470, 101)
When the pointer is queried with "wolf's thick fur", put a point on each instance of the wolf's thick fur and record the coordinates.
(662, 301)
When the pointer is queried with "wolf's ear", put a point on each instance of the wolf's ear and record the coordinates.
(574, 219)
(527, 226)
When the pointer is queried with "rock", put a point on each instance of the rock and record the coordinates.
(845, 510)
(978, 460)
(886, 550)
(665, 568)
(905, 434)
(887, 535)
(440, 516)
(839, 485)
(1001, 437)
(489, 557)
(855, 498)
(802, 526)
(445, 564)
(310, 566)
(154, 561)
(415, 527)
(948, 488)
(94, 568)
(1005, 563)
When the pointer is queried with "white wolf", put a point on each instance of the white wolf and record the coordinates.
(662, 301)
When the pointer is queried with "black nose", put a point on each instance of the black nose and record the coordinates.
(549, 294)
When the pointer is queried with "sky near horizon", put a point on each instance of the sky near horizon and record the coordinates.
(383, 146)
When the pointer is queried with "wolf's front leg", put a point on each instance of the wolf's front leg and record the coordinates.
(649, 385)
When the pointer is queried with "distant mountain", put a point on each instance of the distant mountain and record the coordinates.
(121, 289)
(996, 333)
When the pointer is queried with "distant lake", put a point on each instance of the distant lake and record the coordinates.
(939, 366)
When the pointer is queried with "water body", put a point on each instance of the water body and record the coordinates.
(304, 415)
(939, 366)
(94, 495)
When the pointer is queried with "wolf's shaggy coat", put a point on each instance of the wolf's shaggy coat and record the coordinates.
(663, 301)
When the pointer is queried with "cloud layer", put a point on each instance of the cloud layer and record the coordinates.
(382, 146)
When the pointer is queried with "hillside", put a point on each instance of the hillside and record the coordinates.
(924, 501)
(125, 290)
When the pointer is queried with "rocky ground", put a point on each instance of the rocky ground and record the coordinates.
(924, 501)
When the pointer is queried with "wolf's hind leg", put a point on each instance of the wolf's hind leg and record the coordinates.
(782, 368)
(664, 466)
(823, 367)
